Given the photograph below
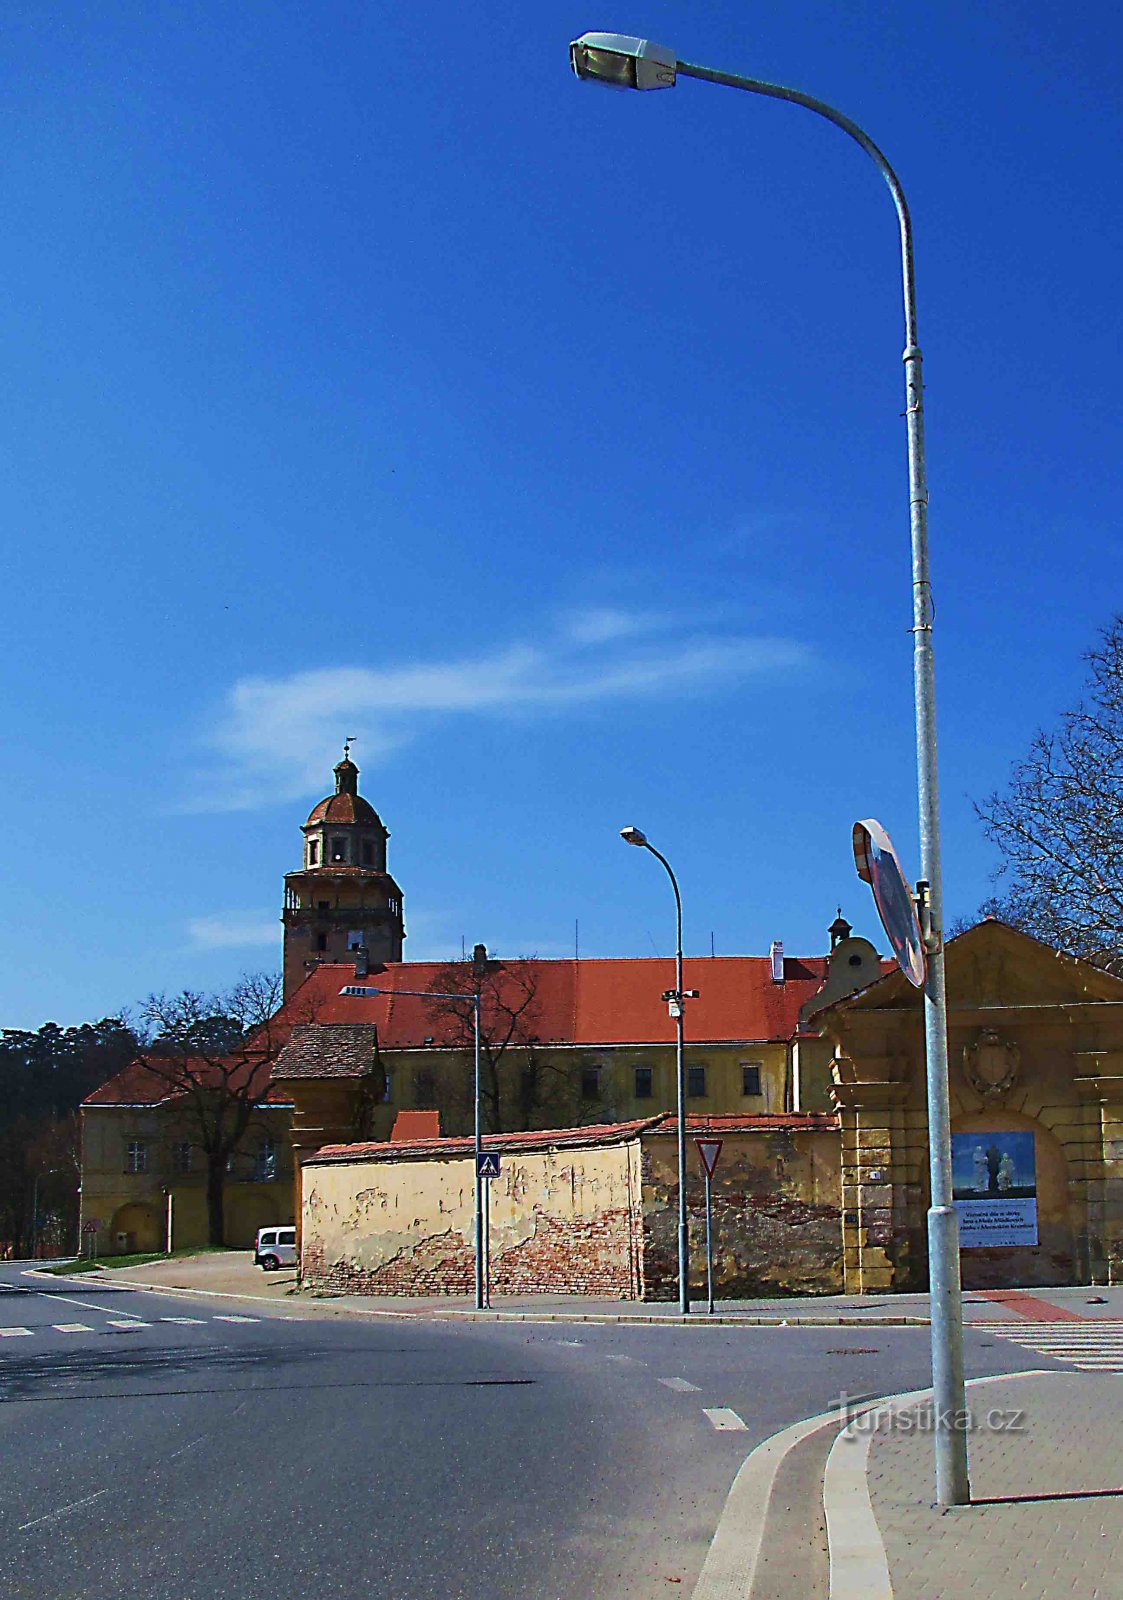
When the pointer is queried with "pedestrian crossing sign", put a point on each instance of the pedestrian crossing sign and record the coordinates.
(487, 1166)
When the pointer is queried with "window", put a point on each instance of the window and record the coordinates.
(590, 1083)
(181, 1155)
(368, 853)
(313, 852)
(696, 1083)
(356, 939)
(136, 1156)
(424, 1090)
(265, 1161)
(323, 905)
(643, 1083)
(339, 848)
(750, 1077)
(321, 941)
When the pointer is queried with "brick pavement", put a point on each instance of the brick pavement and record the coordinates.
(1047, 1517)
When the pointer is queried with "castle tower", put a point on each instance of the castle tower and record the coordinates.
(343, 899)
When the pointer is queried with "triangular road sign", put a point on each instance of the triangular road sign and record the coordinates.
(708, 1152)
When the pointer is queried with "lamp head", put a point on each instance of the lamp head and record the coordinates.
(623, 62)
(633, 836)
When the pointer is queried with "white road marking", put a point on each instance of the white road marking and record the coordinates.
(133, 1322)
(218, 1317)
(194, 1322)
(1087, 1346)
(68, 1300)
(682, 1385)
(71, 1327)
(62, 1511)
(15, 1333)
(724, 1420)
(573, 1344)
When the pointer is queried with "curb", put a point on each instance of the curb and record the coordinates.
(731, 1561)
(859, 1567)
(611, 1318)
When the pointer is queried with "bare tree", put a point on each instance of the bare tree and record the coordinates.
(1059, 822)
(213, 1054)
(513, 1074)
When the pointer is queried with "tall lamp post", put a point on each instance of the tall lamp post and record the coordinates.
(629, 63)
(483, 1288)
(676, 999)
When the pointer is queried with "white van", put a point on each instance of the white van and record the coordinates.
(275, 1247)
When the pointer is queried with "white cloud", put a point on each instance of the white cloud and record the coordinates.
(275, 737)
(232, 930)
(605, 624)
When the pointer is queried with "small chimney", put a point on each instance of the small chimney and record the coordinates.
(776, 957)
(479, 959)
(362, 960)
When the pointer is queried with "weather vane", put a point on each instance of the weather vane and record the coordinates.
(347, 743)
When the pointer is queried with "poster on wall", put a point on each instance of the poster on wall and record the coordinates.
(994, 1186)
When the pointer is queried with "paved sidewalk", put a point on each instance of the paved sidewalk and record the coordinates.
(1047, 1512)
(233, 1272)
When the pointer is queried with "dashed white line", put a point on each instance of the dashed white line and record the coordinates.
(218, 1317)
(724, 1420)
(681, 1385)
(573, 1344)
(62, 1511)
(71, 1327)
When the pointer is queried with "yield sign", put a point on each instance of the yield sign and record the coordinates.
(708, 1152)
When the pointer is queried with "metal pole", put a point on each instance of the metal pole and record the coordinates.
(170, 1224)
(709, 1254)
(482, 1298)
(952, 1482)
(34, 1214)
(680, 1081)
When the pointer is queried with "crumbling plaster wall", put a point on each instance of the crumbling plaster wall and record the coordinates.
(776, 1217)
(561, 1221)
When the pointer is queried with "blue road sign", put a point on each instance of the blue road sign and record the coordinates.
(487, 1166)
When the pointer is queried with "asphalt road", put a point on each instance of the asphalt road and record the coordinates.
(176, 1448)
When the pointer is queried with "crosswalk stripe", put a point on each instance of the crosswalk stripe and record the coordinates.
(184, 1322)
(680, 1385)
(15, 1333)
(725, 1420)
(133, 1322)
(218, 1317)
(71, 1327)
(1088, 1347)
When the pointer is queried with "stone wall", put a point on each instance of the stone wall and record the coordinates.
(776, 1217)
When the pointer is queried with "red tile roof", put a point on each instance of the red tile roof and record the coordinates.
(138, 1085)
(345, 808)
(410, 1125)
(591, 1002)
(569, 1138)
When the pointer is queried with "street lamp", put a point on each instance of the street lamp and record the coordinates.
(625, 62)
(483, 1288)
(675, 999)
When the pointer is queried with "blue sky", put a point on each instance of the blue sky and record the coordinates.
(369, 375)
